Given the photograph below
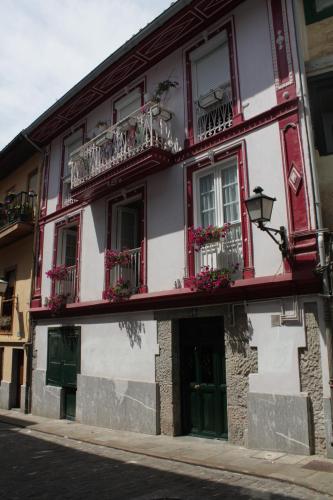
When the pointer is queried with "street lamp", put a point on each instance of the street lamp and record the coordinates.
(3, 286)
(259, 207)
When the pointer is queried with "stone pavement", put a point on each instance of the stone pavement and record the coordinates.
(313, 472)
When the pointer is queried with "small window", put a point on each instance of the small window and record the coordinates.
(72, 143)
(8, 302)
(316, 10)
(321, 102)
(32, 182)
(67, 256)
(128, 104)
(1, 363)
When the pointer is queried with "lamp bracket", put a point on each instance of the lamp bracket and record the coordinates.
(272, 232)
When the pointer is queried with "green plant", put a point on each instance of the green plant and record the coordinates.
(162, 88)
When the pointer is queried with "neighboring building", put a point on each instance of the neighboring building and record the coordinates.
(134, 162)
(315, 20)
(20, 167)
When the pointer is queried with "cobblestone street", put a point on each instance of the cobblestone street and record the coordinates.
(35, 465)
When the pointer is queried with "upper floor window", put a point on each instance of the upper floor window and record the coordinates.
(211, 86)
(321, 101)
(71, 143)
(217, 203)
(316, 10)
(67, 256)
(128, 104)
(8, 302)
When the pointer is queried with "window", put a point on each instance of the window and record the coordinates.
(127, 235)
(1, 363)
(321, 101)
(128, 104)
(316, 10)
(72, 143)
(67, 255)
(8, 302)
(32, 182)
(211, 86)
(218, 203)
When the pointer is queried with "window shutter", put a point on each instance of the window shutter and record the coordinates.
(54, 358)
(207, 200)
(128, 104)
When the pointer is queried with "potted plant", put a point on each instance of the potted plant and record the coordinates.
(201, 236)
(57, 273)
(120, 291)
(116, 257)
(56, 303)
(210, 280)
(5, 322)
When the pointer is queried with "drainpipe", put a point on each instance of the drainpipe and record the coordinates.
(324, 265)
(28, 346)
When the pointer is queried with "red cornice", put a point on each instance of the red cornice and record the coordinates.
(174, 33)
(267, 287)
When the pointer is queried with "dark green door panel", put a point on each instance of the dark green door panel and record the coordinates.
(63, 356)
(204, 392)
(70, 403)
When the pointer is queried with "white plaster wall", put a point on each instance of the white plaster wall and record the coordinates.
(255, 66)
(93, 243)
(165, 229)
(118, 346)
(278, 367)
(265, 167)
(47, 259)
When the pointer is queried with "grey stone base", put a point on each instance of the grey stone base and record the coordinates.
(47, 400)
(117, 404)
(279, 423)
(328, 427)
(5, 395)
(22, 399)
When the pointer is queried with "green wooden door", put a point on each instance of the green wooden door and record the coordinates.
(64, 364)
(204, 393)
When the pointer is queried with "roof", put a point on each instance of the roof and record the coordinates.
(178, 23)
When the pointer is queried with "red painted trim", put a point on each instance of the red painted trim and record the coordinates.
(140, 86)
(237, 115)
(247, 289)
(297, 200)
(45, 184)
(36, 297)
(278, 112)
(239, 152)
(82, 127)
(140, 191)
(76, 219)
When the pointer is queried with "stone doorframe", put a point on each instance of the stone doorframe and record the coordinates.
(241, 360)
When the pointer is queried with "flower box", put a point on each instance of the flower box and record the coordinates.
(120, 291)
(201, 236)
(210, 280)
(115, 257)
(57, 273)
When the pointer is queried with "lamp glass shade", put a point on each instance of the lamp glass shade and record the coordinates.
(260, 207)
(3, 286)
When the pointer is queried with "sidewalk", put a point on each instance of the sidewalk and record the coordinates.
(314, 472)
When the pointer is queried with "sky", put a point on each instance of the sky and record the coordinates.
(47, 46)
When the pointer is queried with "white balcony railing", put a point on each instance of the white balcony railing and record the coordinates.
(67, 286)
(226, 253)
(128, 272)
(213, 113)
(148, 127)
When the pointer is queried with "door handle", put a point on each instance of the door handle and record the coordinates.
(196, 386)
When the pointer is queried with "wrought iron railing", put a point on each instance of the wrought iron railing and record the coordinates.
(149, 126)
(214, 117)
(18, 207)
(67, 286)
(128, 272)
(226, 253)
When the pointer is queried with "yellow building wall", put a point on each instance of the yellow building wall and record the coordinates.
(18, 180)
(320, 39)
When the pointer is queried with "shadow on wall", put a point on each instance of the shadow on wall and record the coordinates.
(240, 334)
(135, 330)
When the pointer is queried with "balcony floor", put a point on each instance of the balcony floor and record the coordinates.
(11, 233)
(149, 161)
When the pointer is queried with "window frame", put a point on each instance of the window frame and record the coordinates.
(311, 14)
(315, 84)
(227, 27)
(12, 300)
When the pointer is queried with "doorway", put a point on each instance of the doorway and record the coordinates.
(203, 377)
(17, 377)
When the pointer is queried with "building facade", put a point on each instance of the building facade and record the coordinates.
(157, 306)
(20, 168)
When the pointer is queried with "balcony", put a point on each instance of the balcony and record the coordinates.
(213, 112)
(138, 145)
(66, 287)
(17, 215)
(130, 271)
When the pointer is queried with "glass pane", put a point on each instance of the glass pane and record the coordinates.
(32, 186)
(70, 239)
(207, 200)
(323, 4)
(230, 194)
(213, 70)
